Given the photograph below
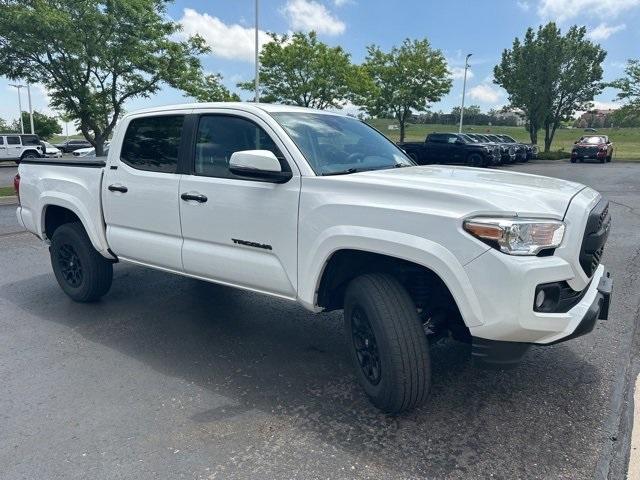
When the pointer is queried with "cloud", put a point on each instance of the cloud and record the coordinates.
(307, 15)
(230, 41)
(485, 93)
(341, 3)
(524, 5)
(604, 31)
(562, 10)
(458, 72)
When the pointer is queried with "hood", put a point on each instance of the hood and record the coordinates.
(467, 190)
(594, 145)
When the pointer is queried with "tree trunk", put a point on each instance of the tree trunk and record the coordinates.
(533, 135)
(548, 137)
(99, 146)
(401, 122)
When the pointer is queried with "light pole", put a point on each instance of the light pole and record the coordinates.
(257, 80)
(30, 109)
(464, 90)
(18, 86)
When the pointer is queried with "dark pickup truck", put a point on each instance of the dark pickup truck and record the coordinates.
(446, 148)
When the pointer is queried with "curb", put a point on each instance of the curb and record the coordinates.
(10, 200)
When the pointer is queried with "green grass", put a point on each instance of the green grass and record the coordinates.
(626, 141)
(7, 191)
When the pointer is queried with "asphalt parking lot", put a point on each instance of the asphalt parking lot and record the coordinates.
(169, 377)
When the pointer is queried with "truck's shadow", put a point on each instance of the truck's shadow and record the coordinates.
(272, 356)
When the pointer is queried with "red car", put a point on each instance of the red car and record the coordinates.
(598, 147)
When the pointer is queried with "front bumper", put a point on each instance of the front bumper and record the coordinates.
(504, 354)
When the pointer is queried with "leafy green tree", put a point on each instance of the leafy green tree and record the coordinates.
(94, 55)
(5, 127)
(300, 70)
(44, 126)
(402, 81)
(209, 88)
(629, 87)
(550, 76)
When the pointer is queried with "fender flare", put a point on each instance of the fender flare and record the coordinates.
(64, 200)
(403, 246)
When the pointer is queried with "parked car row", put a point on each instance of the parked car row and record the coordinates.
(473, 149)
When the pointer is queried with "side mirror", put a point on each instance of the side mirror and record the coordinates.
(260, 165)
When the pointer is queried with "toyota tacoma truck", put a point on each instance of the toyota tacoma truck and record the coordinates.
(321, 209)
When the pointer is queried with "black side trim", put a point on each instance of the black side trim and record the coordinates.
(187, 149)
(65, 163)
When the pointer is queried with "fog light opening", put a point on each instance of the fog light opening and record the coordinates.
(540, 298)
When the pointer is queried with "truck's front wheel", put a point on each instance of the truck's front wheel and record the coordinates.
(81, 271)
(387, 343)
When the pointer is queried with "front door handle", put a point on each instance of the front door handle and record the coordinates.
(198, 197)
(118, 188)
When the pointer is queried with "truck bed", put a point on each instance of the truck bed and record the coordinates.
(68, 183)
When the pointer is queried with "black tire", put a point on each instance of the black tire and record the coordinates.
(29, 155)
(475, 160)
(396, 337)
(603, 160)
(573, 160)
(609, 158)
(82, 273)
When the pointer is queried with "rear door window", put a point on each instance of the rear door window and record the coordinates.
(152, 143)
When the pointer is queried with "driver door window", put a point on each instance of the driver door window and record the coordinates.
(219, 136)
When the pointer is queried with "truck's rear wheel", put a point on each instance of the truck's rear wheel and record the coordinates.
(387, 343)
(81, 271)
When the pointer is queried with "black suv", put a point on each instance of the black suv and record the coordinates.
(448, 148)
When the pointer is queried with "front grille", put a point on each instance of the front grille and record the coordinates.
(595, 236)
(589, 151)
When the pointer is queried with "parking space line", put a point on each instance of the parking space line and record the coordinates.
(633, 473)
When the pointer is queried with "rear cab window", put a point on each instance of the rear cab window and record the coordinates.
(152, 143)
(31, 140)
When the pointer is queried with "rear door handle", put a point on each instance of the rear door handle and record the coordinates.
(198, 197)
(118, 188)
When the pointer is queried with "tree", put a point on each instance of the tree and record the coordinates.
(629, 87)
(300, 70)
(550, 76)
(5, 127)
(94, 55)
(210, 89)
(396, 83)
(44, 126)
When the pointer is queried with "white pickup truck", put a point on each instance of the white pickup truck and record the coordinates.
(321, 209)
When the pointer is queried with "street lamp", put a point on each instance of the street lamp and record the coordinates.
(30, 109)
(18, 86)
(464, 89)
(257, 79)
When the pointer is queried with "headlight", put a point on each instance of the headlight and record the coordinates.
(517, 236)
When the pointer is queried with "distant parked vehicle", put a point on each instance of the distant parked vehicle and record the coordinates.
(90, 152)
(69, 146)
(447, 148)
(598, 147)
(51, 151)
(507, 152)
(524, 151)
(590, 129)
(14, 147)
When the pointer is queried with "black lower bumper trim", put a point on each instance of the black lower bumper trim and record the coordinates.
(500, 354)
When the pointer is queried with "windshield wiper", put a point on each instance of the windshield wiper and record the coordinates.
(341, 172)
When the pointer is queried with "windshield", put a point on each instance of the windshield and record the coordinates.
(507, 138)
(335, 144)
(593, 140)
(468, 138)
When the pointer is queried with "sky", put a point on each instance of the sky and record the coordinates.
(456, 27)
